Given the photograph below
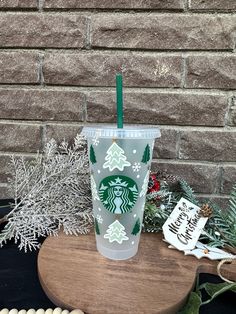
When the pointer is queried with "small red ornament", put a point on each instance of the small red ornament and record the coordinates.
(153, 185)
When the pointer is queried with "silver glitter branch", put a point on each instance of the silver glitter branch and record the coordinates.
(51, 193)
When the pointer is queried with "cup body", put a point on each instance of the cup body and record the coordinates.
(120, 162)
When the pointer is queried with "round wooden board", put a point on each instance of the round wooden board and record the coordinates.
(157, 280)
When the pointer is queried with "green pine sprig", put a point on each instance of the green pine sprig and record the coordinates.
(188, 192)
(220, 230)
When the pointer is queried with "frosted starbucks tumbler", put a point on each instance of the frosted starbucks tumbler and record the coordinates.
(120, 164)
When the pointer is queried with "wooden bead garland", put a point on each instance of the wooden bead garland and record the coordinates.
(57, 310)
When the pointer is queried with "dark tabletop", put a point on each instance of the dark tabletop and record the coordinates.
(20, 287)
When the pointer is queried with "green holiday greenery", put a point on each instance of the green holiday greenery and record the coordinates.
(220, 230)
(137, 227)
(146, 154)
(164, 192)
(213, 290)
(97, 230)
(92, 155)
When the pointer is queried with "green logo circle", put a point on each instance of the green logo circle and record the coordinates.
(118, 193)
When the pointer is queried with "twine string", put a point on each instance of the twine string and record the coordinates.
(219, 266)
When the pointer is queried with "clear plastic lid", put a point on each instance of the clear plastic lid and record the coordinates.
(126, 132)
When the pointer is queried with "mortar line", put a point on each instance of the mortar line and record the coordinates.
(96, 11)
(216, 188)
(87, 89)
(184, 73)
(183, 128)
(40, 5)
(226, 196)
(156, 161)
(124, 51)
(185, 5)
(228, 110)
(3, 185)
(188, 4)
(40, 74)
(178, 144)
(36, 123)
(26, 154)
(88, 33)
(220, 180)
(44, 135)
(194, 162)
(85, 112)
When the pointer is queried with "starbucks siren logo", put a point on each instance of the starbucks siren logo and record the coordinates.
(118, 193)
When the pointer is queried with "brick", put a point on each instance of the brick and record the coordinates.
(169, 31)
(5, 193)
(202, 178)
(158, 108)
(113, 4)
(8, 4)
(221, 201)
(213, 5)
(211, 72)
(43, 104)
(5, 169)
(19, 67)
(232, 112)
(42, 30)
(20, 137)
(208, 145)
(61, 132)
(228, 179)
(100, 68)
(166, 145)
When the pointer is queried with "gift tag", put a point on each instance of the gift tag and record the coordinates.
(183, 227)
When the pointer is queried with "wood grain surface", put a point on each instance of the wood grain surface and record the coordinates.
(157, 280)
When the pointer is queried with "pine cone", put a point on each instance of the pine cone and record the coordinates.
(206, 210)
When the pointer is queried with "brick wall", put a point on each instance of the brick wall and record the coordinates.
(58, 60)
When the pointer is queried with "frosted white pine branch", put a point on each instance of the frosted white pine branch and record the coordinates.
(51, 192)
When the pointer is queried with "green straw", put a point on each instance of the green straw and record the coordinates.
(119, 100)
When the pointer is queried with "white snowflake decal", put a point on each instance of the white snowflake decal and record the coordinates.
(136, 166)
(99, 219)
(95, 141)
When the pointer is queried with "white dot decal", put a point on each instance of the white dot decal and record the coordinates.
(135, 215)
(99, 208)
(99, 171)
(138, 176)
(134, 151)
(132, 242)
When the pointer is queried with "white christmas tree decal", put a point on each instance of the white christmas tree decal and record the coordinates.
(116, 232)
(144, 186)
(94, 189)
(115, 158)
